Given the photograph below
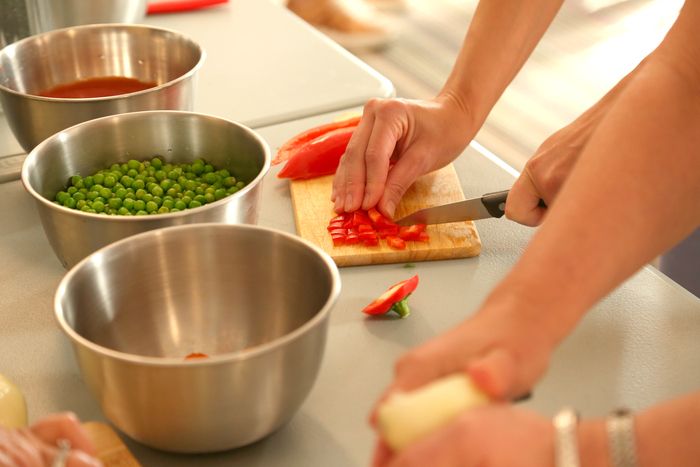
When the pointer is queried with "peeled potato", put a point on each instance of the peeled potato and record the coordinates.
(13, 409)
(407, 417)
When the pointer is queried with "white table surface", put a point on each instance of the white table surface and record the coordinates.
(637, 347)
(264, 66)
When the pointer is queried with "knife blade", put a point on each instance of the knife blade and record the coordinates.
(484, 207)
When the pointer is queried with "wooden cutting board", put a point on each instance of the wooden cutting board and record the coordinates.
(110, 448)
(313, 209)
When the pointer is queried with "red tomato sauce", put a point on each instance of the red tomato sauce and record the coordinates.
(97, 87)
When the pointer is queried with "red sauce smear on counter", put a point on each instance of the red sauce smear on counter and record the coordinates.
(97, 87)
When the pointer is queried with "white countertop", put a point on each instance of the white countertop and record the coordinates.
(638, 346)
(264, 66)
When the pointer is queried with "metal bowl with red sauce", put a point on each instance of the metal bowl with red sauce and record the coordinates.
(57, 79)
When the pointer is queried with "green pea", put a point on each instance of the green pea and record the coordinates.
(86, 208)
(130, 194)
(106, 193)
(186, 200)
(211, 178)
(69, 203)
(124, 167)
(190, 185)
(208, 168)
(160, 175)
(141, 212)
(120, 193)
(168, 203)
(209, 197)
(92, 195)
(158, 200)
(110, 181)
(123, 211)
(114, 167)
(157, 162)
(132, 172)
(133, 164)
(126, 181)
(200, 199)
(223, 173)
(151, 206)
(98, 178)
(232, 190)
(98, 206)
(61, 196)
(71, 190)
(139, 205)
(240, 185)
(128, 203)
(189, 193)
(210, 189)
(194, 204)
(229, 182)
(100, 199)
(179, 205)
(147, 197)
(115, 203)
(174, 210)
(173, 175)
(166, 184)
(198, 167)
(88, 181)
(80, 203)
(172, 192)
(182, 180)
(157, 191)
(78, 196)
(140, 193)
(220, 193)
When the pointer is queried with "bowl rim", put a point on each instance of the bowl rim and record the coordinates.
(173, 362)
(191, 72)
(34, 154)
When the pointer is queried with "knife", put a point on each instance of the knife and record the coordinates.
(488, 205)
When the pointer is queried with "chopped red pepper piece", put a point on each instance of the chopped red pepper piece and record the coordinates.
(393, 299)
(289, 148)
(396, 243)
(196, 355)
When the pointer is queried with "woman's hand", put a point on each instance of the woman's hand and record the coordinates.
(38, 445)
(415, 136)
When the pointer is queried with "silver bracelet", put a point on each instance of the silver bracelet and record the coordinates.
(621, 441)
(566, 439)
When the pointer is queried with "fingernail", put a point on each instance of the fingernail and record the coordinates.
(390, 208)
(348, 202)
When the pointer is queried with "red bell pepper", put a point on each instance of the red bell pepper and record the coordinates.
(289, 149)
(318, 157)
(394, 299)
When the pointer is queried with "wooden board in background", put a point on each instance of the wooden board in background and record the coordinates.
(110, 448)
(313, 209)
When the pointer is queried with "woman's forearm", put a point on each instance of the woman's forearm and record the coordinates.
(634, 193)
(500, 38)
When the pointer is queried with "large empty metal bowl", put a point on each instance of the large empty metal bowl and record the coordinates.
(38, 63)
(255, 300)
(175, 137)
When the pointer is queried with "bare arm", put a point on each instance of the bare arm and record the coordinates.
(634, 192)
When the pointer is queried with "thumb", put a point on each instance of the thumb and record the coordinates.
(523, 199)
(494, 374)
(401, 176)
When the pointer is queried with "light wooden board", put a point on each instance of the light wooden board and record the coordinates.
(110, 448)
(313, 209)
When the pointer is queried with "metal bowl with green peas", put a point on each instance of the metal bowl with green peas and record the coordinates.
(97, 152)
(148, 187)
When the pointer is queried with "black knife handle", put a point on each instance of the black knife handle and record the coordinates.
(495, 203)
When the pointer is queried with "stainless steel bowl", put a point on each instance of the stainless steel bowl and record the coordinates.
(255, 300)
(50, 14)
(176, 137)
(41, 62)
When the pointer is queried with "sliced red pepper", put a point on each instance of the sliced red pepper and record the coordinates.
(395, 295)
(378, 219)
(338, 240)
(396, 243)
(359, 218)
(352, 238)
(290, 147)
(318, 157)
(423, 237)
(365, 228)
